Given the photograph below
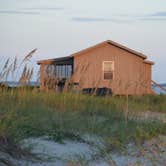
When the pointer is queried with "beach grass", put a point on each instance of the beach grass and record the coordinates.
(29, 113)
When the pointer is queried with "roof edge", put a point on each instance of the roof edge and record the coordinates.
(127, 49)
(87, 49)
(45, 60)
(111, 43)
(148, 62)
(54, 60)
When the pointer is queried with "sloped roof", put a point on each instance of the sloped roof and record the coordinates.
(143, 56)
(111, 43)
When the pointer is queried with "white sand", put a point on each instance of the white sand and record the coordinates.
(71, 152)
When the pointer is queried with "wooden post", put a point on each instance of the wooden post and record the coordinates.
(41, 76)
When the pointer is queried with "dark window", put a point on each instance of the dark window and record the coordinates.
(63, 71)
(49, 71)
(108, 70)
(57, 71)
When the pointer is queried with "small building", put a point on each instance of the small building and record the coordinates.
(106, 65)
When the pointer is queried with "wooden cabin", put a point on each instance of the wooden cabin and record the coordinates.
(106, 65)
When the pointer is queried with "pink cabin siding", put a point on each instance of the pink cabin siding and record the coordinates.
(128, 70)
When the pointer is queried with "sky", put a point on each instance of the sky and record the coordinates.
(61, 27)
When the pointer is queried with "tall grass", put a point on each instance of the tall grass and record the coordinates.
(27, 112)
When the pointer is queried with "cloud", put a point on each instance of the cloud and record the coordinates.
(17, 12)
(158, 14)
(44, 8)
(97, 19)
(123, 18)
(30, 11)
(152, 19)
(88, 19)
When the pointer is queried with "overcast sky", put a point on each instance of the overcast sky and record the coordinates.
(60, 27)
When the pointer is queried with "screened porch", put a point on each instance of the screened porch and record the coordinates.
(55, 72)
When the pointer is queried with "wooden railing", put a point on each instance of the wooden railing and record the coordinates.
(158, 85)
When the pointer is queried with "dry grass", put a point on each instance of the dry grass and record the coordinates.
(27, 112)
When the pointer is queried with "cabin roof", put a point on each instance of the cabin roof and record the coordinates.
(149, 62)
(68, 58)
(111, 43)
(58, 60)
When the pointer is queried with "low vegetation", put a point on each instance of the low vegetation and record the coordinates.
(29, 113)
(26, 112)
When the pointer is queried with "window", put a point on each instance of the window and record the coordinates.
(63, 71)
(49, 71)
(57, 71)
(108, 70)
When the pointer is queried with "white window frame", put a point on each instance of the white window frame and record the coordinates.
(113, 68)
